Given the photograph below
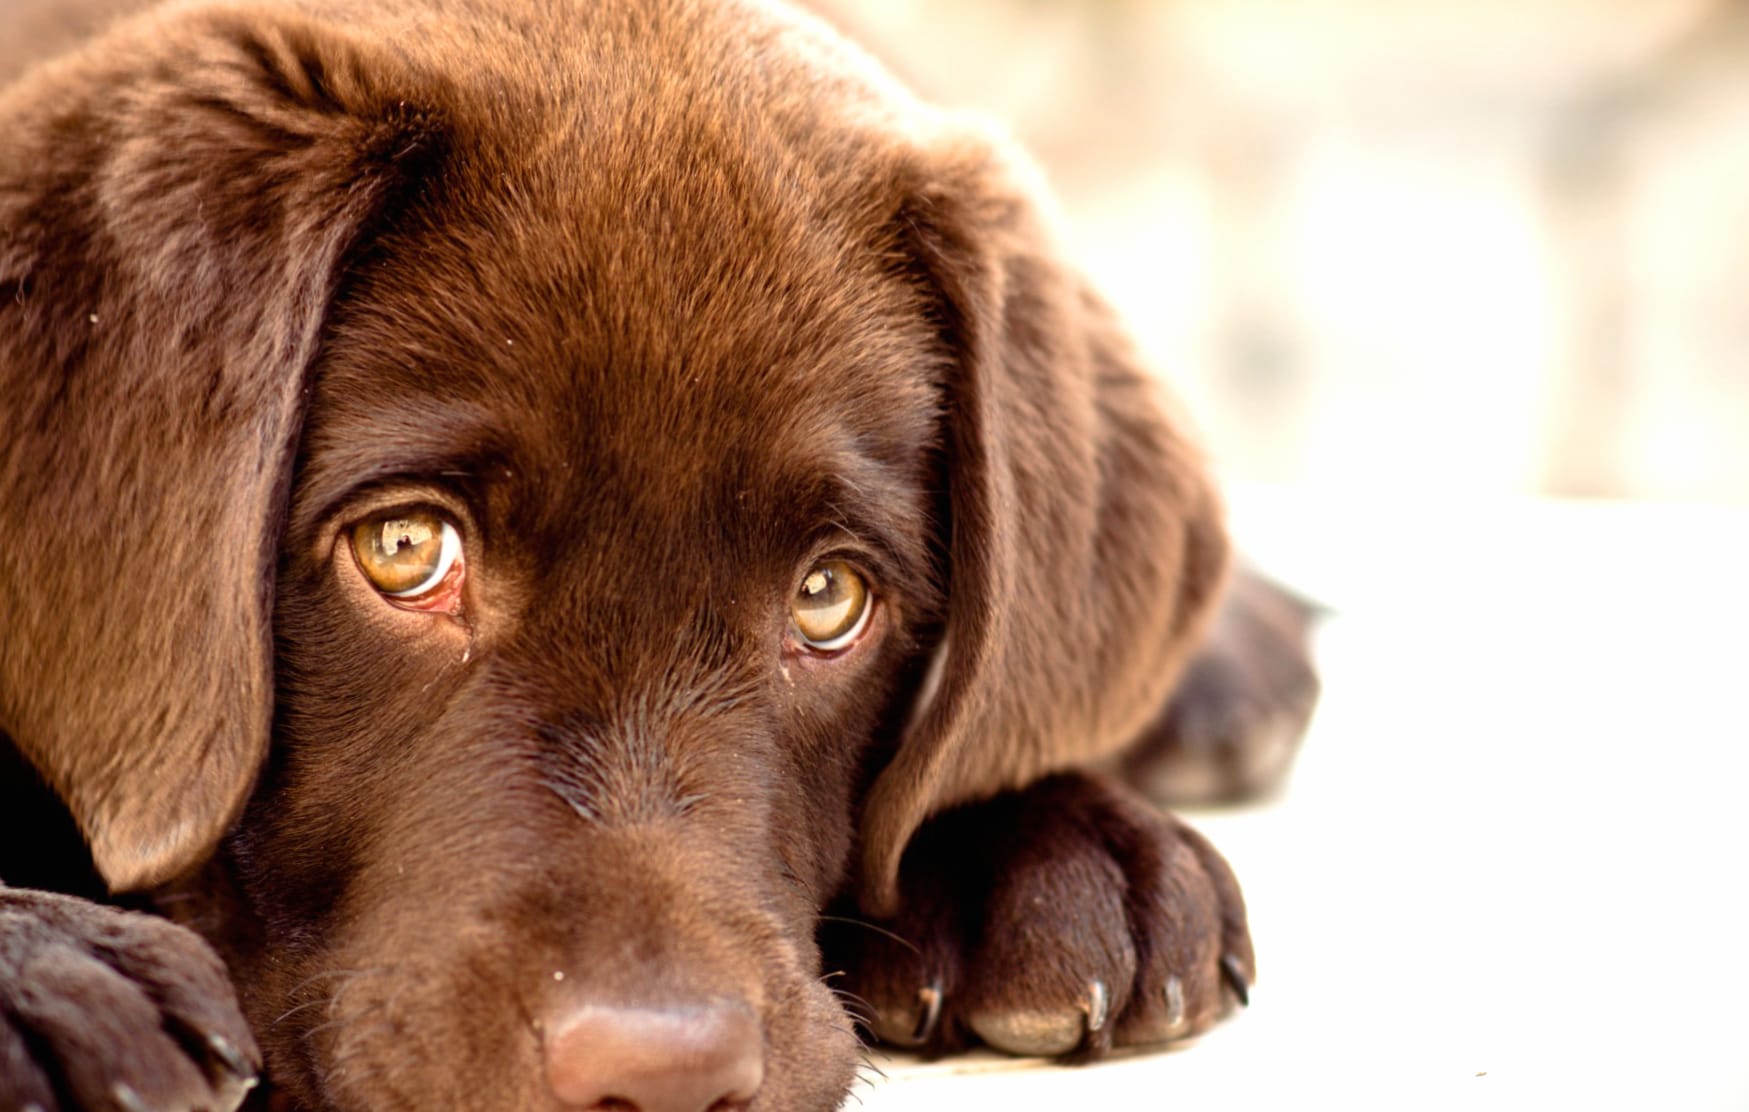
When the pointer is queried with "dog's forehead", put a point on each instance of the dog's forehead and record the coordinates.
(680, 306)
(690, 318)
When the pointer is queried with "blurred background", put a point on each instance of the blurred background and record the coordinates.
(1448, 246)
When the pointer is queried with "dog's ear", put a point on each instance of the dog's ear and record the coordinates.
(1085, 543)
(177, 204)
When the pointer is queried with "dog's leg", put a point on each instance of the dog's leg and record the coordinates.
(1064, 919)
(102, 1008)
(1231, 728)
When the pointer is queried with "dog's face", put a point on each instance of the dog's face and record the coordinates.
(644, 467)
(689, 510)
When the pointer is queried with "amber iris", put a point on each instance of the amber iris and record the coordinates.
(406, 553)
(831, 605)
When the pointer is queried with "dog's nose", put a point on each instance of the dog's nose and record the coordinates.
(696, 1057)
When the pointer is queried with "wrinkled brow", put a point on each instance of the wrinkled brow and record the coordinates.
(853, 502)
(417, 439)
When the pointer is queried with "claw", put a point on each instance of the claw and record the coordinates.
(1236, 978)
(126, 1099)
(230, 1057)
(1097, 1007)
(929, 1000)
(1175, 1015)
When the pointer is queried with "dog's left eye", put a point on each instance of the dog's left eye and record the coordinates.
(407, 555)
(831, 607)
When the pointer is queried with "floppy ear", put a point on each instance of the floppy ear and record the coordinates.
(1085, 541)
(177, 203)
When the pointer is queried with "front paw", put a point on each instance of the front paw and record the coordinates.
(1064, 919)
(109, 1009)
(1245, 699)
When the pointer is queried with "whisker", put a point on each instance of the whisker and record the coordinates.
(351, 976)
(329, 973)
(851, 920)
(295, 1009)
(859, 1015)
(340, 1020)
(845, 996)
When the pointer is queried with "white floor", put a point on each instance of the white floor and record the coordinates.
(1510, 870)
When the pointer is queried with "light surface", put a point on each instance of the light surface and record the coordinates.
(1509, 869)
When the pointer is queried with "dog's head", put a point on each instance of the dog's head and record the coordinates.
(559, 492)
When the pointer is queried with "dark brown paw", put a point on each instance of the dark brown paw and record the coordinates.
(1236, 718)
(108, 1009)
(1062, 920)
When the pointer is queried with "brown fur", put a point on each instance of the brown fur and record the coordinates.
(661, 302)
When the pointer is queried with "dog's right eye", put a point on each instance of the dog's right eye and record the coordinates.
(411, 556)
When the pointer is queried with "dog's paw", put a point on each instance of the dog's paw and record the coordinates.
(1235, 720)
(109, 1009)
(1065, 919)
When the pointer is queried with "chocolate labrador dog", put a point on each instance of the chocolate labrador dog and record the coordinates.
(579, 555)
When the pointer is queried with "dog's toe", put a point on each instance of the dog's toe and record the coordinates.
(1046, 1032)
(1057, 956)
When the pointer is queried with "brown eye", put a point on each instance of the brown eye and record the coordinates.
(831, 607)
(406, 554)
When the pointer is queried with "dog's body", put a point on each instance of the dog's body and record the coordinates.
(686, 333)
